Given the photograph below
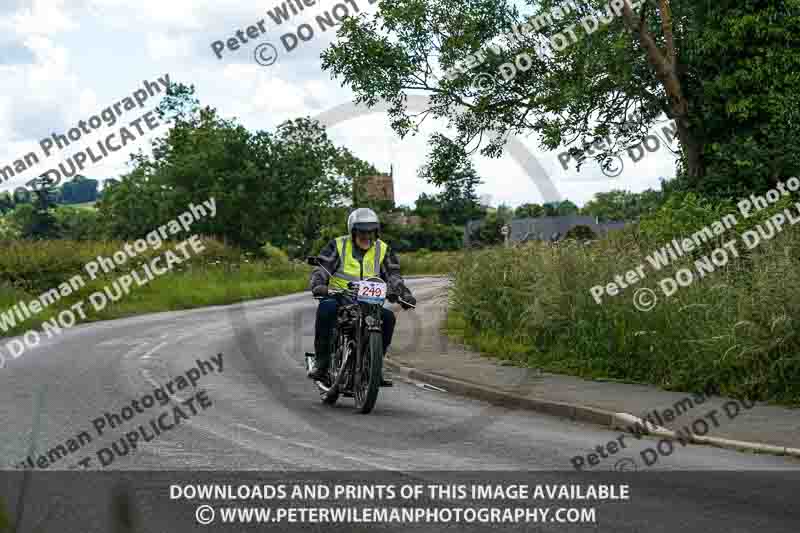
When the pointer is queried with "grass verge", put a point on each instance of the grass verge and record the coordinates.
(732, 331)
(219, 276)
(433, 263)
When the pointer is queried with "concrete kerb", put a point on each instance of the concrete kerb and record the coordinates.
(581, 413)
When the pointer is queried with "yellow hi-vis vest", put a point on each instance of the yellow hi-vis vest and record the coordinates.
(350, 269)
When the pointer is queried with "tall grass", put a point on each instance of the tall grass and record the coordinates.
(425, 262)
(734, 331)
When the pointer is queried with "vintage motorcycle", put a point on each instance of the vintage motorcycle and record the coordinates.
(357, 344)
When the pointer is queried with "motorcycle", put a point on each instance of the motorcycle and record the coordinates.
(356, 365)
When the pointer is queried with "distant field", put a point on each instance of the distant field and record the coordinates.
(220, 275)
(85, 205)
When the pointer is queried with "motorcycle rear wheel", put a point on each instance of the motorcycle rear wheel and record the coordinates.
(331, 395)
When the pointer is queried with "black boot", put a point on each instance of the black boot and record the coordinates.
(319, 374)
(320, 371)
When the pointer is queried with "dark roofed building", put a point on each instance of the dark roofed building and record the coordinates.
(546, 228)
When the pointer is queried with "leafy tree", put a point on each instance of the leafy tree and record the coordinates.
(40, 223)
(566, 208)
(681, 215)
(279, 187)
(428, 206)
(431, 236)
(108, 185)
(22, 220)
(449, 167)
(724, 70)
(622, 205)
(557, 209)
(6, 202)
(529, 211)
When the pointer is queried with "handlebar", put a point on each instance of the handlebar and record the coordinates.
(336, 292)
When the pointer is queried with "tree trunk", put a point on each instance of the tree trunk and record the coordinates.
(693, 150)
(665, 66)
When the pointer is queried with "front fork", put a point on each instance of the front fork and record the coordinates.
(371, 323)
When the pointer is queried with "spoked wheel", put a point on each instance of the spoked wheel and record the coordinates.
(329, 394)
(369, 379)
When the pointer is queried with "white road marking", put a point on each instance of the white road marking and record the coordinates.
(319, 449)
(151, 352)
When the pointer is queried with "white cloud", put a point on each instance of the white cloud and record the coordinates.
(43, 17)
(174, 14)
(161, 46)
(60, 83)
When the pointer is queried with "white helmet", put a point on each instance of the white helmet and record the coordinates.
(363, 219)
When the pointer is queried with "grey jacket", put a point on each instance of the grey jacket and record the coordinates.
(390, 268)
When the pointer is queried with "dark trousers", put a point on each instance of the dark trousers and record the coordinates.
(326, 320)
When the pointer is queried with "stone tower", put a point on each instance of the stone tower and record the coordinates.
(380, 187)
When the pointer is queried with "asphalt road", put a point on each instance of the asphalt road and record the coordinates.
(262, 413)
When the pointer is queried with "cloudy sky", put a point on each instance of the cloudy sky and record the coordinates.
(62, 61)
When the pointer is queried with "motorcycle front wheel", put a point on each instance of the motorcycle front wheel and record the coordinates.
(369, 380)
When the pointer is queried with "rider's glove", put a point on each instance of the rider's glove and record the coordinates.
(352, 286)
(392, 297)
(320, 290)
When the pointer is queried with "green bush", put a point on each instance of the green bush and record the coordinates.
(681, 216)
(489, 232)
(433, 237)
(77, 223)
(580, 233)
(273, 253)
(8, 230)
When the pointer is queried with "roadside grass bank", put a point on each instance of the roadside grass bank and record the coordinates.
(733, 332)
(426, 262)
(219, 275)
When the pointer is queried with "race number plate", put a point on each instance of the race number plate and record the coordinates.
(372, 292)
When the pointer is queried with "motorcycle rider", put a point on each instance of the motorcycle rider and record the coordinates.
(359, 255)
